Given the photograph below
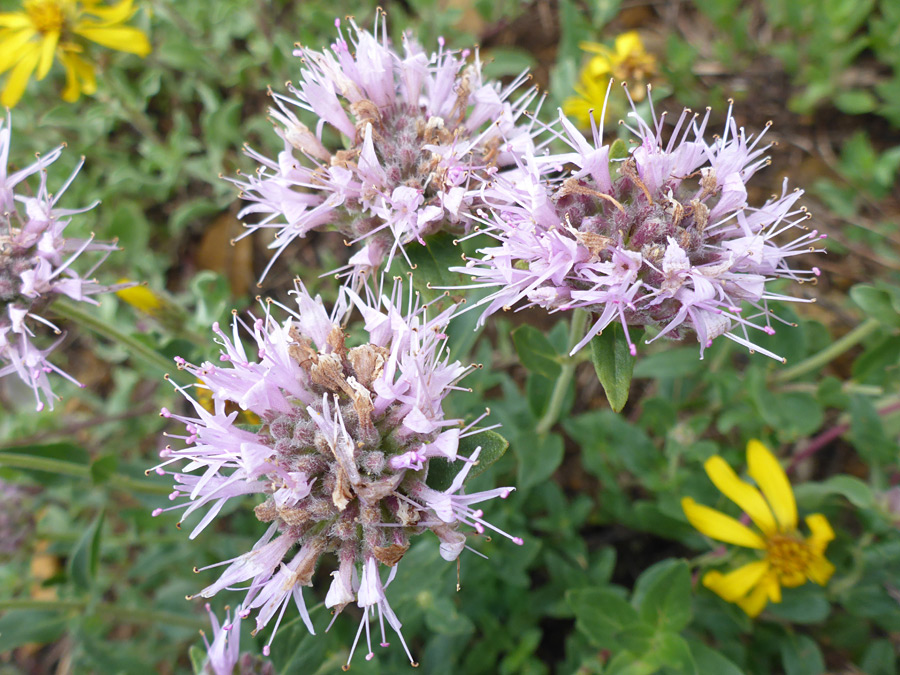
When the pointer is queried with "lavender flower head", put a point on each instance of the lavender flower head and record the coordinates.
(415, 134)
(662, 236)
(341, 459)
(35, 267)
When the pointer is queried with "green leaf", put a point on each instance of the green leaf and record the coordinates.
(806, 604)
(801, 656)
(535, 352)
(854, 490)
(441, 472)
(24, 626)
(85, 557)
(670, 363)
(878, 361)
(877, 303)
(663, 595)
(708, 660)
(606, 437)
(867, 432)
(539, 457)
(493, 447)
(612, 359)
(618, 150)
(627, 663)
(506, 61)
(197, 655)
(601, 614)
(855, 101)
(103, 469)
(432, 263)
(793, 414)
(880, 658)
(637, 637)
(671, 651)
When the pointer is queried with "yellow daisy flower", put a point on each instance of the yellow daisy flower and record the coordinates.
(627, 61)
(30, 39)
(788, 560)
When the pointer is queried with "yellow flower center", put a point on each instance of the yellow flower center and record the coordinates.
(788, 555)
(47, 16)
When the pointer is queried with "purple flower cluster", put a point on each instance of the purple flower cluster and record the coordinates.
(35, 266)
(662, 236)
(411, 138)
(341, 459)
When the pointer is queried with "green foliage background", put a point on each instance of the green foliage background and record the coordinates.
(607, 581)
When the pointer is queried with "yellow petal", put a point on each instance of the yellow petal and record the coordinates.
(48, 47)
(793, 579)
(764, 468)
(597, 67)
(15, 20)
(820, 570)
(124, 39)
(595, 48)
(628, 43)
(118, 13)
(141, 298)
(80, 76)
(13, 46)
(717, 525)
(85, 70)
(18, 78)
(754, 603)
(741, 493)
(821, 532)
(772, 587)
(735, 585)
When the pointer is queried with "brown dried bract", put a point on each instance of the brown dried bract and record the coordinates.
(390, 555)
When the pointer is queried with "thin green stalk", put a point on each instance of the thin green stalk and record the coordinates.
(62, 467)
(150, 356)
(830, 352)
(567, 370)
(139, 615)
(48, 464)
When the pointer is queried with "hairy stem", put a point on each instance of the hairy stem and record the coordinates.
(829, 435)
(831, 352)
(567, 370)
(125, 614)
(149, 356)
(58, 466)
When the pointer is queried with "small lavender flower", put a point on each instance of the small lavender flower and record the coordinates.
(415, 135)
(223, 655)
(36, 266)
(342, 457)
(661, 237)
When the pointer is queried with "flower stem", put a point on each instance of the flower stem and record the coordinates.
(567, 370)
(126, 614)
(149, 356)
(830, 353)
(62, 467)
